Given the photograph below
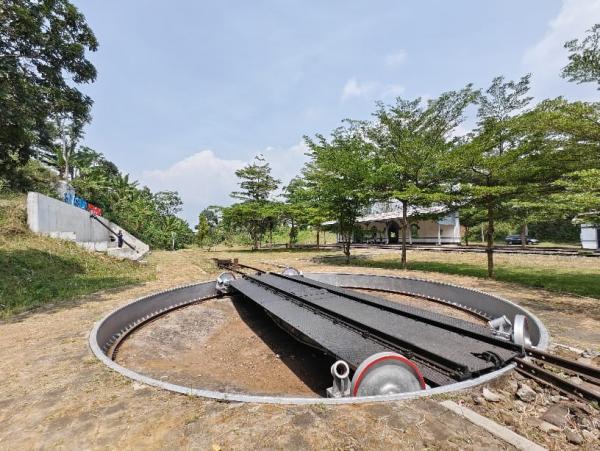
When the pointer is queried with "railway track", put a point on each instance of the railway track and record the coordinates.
(353, 326)
(551, 370)
(514, 249)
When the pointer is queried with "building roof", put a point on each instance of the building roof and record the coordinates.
(395, 214)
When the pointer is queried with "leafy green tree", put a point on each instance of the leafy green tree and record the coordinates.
(580, 194)
(247, 217)
(414, 142)
(470, 216)
(563, 140)
(272, 213)
(493, 164)
(302, 208)
(255, 213)
(168, 203)
(584, 58)
(339, 177)
(202, 230)
(212, 214)
(43, 46)
(256, 182)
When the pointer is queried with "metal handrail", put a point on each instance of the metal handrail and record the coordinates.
(92, 215)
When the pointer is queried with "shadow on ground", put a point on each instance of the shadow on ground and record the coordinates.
(308, 364)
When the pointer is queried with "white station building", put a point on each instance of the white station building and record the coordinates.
(381, 224)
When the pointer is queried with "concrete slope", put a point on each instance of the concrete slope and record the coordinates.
(51, 217)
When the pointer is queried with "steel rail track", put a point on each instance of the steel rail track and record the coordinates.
(516, 249)
(531, 364)
(427, 358)
(534, 369)
(459, 326)
(435, 361)
(231, 266)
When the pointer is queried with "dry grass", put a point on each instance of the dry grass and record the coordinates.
(37, 270)
(13, 216)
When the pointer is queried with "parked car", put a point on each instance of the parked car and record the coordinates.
(516, 239)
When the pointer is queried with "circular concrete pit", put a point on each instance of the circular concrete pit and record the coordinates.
(190, 340)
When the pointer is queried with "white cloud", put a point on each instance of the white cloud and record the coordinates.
(547, 57)
(354, 88)
(396, 59)
(369, 89)
(204, 179)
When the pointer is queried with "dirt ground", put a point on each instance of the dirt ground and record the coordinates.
(55, 394)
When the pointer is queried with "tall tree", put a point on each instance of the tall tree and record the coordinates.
(43, 46)
(202, 230)
(414, 141)
(254, 213)
(584, 58)
(212, 213)
(493, 162)
(168, 203)
(256, 181)
(303, 206)
(339, 177)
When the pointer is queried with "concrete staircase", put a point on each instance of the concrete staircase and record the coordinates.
(51, 217)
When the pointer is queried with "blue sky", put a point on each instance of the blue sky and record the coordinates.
(189, 91)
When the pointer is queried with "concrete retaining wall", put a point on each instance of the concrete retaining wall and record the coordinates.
(57, 219)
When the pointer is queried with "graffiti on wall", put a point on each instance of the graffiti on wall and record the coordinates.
(71, 199)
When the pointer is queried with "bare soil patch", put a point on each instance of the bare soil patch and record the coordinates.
(226, 344)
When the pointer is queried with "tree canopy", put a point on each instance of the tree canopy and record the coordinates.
(584, 58)
(43, 45)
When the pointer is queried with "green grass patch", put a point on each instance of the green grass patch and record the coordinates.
(36, 270)
(584, 283)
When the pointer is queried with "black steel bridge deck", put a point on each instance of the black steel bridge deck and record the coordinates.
(352, 326)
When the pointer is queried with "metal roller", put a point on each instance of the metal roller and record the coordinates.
(386, 373)
(521, 335)
(289, 271)
(223, 281)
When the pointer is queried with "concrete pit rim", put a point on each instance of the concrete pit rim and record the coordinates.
(118, 323)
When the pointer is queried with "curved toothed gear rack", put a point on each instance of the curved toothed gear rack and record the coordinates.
(108, 333)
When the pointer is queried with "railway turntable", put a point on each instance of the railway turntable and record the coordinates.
(391, 348)
(379, 338)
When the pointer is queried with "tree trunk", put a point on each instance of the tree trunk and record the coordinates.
(318, 237)
(270, 237)
(404, 228)
(466, 236)
(523, 235)
(346, 248)
(291, 232)
(490, 242)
